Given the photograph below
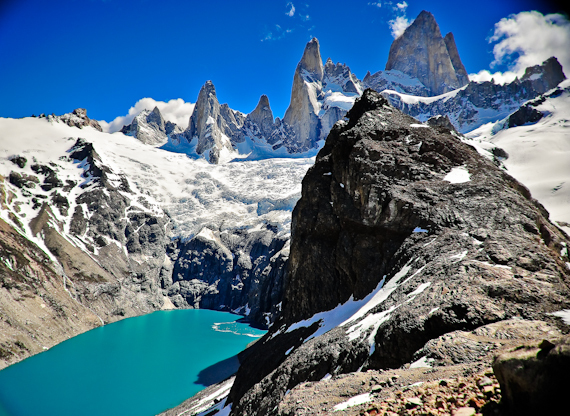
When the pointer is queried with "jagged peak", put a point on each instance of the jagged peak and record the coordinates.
(263, 102)
(425, 17)
(551, 65)
(208, 88)
(311, 60)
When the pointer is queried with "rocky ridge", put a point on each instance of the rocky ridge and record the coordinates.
(461, 246)
(320, 96)
(77, 118)
(478, 103)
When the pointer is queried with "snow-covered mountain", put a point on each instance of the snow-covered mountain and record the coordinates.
(478, 103)
(536, 139)
(157, 216)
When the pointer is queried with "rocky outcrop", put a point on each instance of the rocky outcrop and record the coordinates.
(441, 121)
(533, 376)
(483, 102)
(78, 118)
(340, 75)
(32, 293)
(150, 127)
(403, 234)
(422, 53)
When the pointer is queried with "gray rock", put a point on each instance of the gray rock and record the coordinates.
(262, 116)
(534, 378)
(212, 125)
(460, 71)
(422, 53)
(302, 113)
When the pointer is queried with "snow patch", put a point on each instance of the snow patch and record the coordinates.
(353, 401)
(458, 175)
(564, 314)
(423, 362)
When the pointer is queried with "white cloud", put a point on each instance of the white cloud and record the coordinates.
(497, 77)
(376, 4)
(402, 6)
(526, 39)
(529, 38)
(177, 111)
(291, 11)
(399, 25)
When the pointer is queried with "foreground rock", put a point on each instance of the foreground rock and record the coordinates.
(534, 376)
(403, 234)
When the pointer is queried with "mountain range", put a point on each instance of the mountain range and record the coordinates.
(348, 227)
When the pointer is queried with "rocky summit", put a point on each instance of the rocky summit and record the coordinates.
(404, 235)
(421, 52)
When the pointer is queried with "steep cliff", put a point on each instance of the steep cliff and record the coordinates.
(403, 234)
(421, 52)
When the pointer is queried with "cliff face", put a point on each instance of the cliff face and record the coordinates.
(403, 234)
(421, 52)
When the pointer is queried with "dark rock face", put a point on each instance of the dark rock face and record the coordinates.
(236, 271)
(434, 237)
(19, 161)
(525, 114)
(534, 378)
(441, 121)
(422, 53)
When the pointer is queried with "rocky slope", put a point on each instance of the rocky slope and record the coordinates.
(422, 237)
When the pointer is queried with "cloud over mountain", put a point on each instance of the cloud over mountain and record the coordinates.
(176, 110)
(526, 39)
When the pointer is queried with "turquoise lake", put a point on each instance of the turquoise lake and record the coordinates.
(137, 366)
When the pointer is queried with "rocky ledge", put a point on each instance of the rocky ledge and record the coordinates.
(405, 239)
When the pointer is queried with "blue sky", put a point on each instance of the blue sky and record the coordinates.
(105, 55)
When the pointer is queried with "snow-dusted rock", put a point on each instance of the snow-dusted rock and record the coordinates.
(479, 103)
(150, 127)
(212, 126)
(78, 118)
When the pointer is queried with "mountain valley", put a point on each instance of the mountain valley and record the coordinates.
(413, 224)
